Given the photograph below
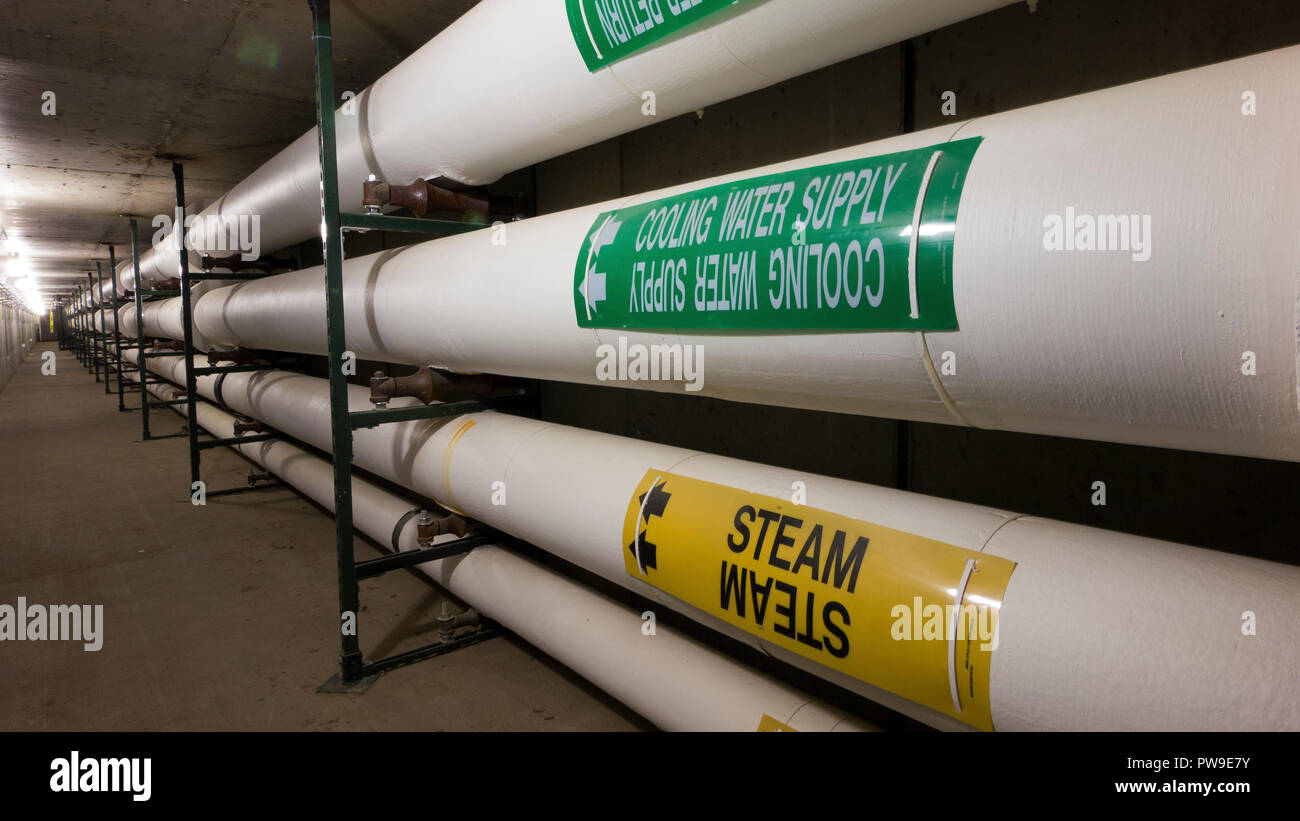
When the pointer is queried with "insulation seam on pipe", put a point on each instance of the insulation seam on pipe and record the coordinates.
(938, 383)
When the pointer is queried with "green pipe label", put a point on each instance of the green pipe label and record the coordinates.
(606, 31)
(859, 245)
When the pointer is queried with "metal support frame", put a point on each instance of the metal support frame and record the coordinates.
(69, 310)
(87, 341)
(139, 295)
(83, 317)
(117, 334)
(352, 666)
(74, 305)
(101, 332)
(74, 340)
(93, 350)
(187, 327)
(187, 279)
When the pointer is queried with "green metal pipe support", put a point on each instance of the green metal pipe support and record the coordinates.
(139, 331)
(350, 661)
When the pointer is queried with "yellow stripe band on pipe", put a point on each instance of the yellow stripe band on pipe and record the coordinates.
(881, 605)
(446, 464)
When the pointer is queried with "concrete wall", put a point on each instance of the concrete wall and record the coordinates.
(1000, 61)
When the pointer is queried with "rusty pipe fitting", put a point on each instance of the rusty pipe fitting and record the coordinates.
(428, 384)
(429, 526)
(235, 263)
(421, 197)
(449, 623)
(240, 356)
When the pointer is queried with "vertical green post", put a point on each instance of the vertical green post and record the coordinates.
(87, 343)
(72, 323)
(141, 362)
(341, 428)
(187, 325)
(76, 320)
(117, 327)
(90, 324)
(103, 326)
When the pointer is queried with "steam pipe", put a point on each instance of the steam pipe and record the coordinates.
(1158, 627)
(672, 680)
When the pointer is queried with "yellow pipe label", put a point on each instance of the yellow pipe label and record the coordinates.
(767, 724)
(910, 615)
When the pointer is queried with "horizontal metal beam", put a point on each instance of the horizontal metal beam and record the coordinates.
(383, 222)
(409, 558)
(230, 491)
(420, 653)
(207, 371)
(371, 418)
(196, 277)
(238, 440)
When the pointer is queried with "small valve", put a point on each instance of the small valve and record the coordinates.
(377, 398)
(369, 197)
(428, 527)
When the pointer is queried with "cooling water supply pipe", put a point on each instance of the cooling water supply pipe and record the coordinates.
(1122, 267)
(672, 680)
(165, 318)
(552, 76)
(959, 615)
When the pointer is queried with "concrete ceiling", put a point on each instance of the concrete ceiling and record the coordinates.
(221, 84)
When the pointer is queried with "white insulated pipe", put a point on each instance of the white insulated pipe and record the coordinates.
(164, 318)
(505, 87)
(1083, 344)
(1098, 630)
(672, 680)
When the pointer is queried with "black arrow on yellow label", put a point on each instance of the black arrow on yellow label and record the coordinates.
(653, 503)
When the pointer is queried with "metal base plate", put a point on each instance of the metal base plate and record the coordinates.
(336, 685)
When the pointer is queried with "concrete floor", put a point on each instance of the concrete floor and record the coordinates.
(220, 617)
